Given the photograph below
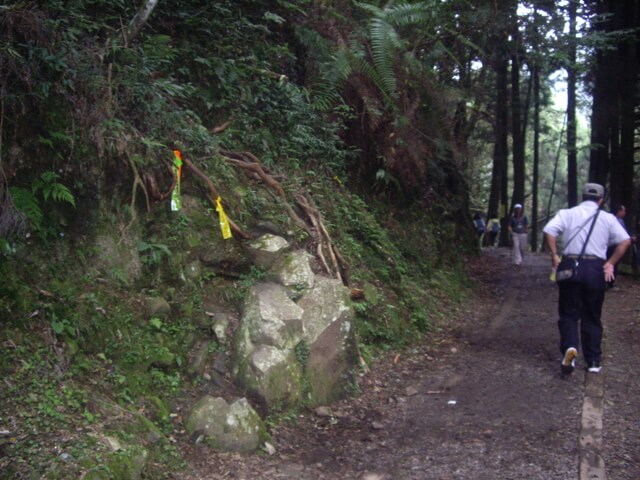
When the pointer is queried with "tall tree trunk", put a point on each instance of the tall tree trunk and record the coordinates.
(622, 166)
(498, 196)
(517, 130)
(603, 102)
(535, 72)
(572, 162)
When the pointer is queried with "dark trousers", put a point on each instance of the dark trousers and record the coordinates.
(581, 303)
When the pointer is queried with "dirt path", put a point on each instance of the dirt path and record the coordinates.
(483, 399)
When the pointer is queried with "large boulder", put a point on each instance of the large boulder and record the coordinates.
(236, 427)
(287, 351)
(328, 319)
(270, 327)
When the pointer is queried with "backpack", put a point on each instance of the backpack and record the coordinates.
(495, 227)
(479, 224)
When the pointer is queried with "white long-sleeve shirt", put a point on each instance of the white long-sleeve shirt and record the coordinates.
(575, 223)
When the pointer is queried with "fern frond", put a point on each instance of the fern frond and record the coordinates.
(384, 42)
(368, 7)
(50, 188)
(411, 13)
(26, 202)
(60, 193)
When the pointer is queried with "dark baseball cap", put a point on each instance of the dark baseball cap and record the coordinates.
(594, 189)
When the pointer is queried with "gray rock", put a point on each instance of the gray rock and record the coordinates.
(118, 257)
(200, 354)
(270, 449)
(220, 325)
(267, 249)
(270, 318)
(327, 302)
(193, 270)
(323, 411)
(236, 427)
(294, 272)
(275, 376)
(157, 307)
(264, 362)
(327, 322)
(220, 363)
(410, 391)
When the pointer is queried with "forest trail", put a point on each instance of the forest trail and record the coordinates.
(482, 399)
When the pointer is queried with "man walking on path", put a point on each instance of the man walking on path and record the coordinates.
(586, 234)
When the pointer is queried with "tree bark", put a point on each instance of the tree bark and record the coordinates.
(603, 103)
(535, 72)
(572, 161)
(622, 170)
(517, 130)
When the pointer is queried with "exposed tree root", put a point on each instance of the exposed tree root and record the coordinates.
(137, 182)
(316, 230)
(250, 162)
(322, 238)
(153, 189)
(220, 128)
(213, 194)
(256, 171)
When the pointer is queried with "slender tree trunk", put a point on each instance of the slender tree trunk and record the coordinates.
(622, 168)
(536, 156)
(498, 196)
(517, 130)
(498, 193)
(603, 103)
(555, 171)
(572, 162)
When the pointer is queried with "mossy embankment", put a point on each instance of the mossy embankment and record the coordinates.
(101, 327)
(109, 300)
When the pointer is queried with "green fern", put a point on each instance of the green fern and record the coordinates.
(386, 31)
(51, 189)
(26, 202)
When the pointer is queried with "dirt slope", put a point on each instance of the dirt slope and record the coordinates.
(482, 399)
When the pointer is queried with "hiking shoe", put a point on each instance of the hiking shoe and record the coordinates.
(569, 360)
(594, 367)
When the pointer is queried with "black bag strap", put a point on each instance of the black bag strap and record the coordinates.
(580, 229)
(593, 224)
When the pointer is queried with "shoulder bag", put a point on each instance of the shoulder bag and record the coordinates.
(568, 269)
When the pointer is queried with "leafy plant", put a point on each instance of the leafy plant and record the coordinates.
(152, 253)
(32, 202)
(50, 188)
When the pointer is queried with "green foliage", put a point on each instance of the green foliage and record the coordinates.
(388, 31)
(245, 282)
(302, 353)
(26, 202)
(34, 201)
(103, 108)
(152, 253)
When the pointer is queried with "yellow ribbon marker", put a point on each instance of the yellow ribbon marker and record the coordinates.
(224, 220)
(176, 203)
